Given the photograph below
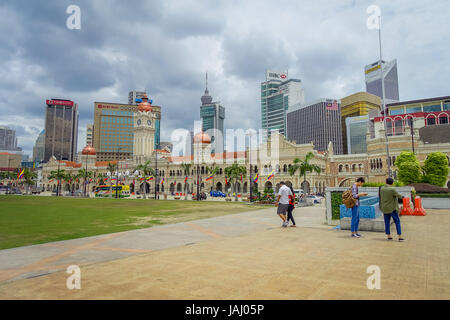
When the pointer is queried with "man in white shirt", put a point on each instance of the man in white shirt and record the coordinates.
(282, 202)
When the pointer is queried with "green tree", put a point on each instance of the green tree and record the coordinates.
(212, 170)
(58, 175)
(408, 168)
(234, 173)
(147, 171)
(29, 178)
(304, 166)
(111, 168)
(435, 169)
(186, 167)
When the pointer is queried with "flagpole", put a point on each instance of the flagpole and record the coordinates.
(383, 100)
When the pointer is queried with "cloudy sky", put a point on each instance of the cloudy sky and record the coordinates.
(167, 46)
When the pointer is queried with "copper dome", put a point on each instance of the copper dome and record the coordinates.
(202, 137)
(88, 150)
(145, 106)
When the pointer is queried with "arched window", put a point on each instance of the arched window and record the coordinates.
(347, 168)
(340, 168)
(431, 120)
(353, 167)
(285, 168)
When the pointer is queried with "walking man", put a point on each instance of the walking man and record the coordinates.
(355, 209)
(389, 206)
(282, 202)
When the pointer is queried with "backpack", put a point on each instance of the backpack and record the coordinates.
(347, 199)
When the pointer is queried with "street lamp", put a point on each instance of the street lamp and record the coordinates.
(117, 170)
(85, 174)
(250, 134)
(9, 174)
(156, 175)
(383, 101)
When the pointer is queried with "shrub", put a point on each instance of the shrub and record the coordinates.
(336, 201)
(435, 169)
(409, 170)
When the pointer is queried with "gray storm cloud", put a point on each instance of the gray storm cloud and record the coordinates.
(165, 47)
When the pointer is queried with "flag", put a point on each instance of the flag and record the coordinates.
(270, 176)
(226, 180)
(209, 177)
(51, 180)
(149, 178)
(20, 174)
(162, 181)
(185, 179)
(241, 177)
(255, 179)
(141, 179)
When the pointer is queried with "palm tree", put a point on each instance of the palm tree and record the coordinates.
(304, 166)
(213, 170)
(111, 168)
(84, 174)
(147, 170)
(186, 167)
(29, 178)
(234, 172)
(58, 175)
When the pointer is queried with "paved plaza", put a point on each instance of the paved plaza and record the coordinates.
(238, 256)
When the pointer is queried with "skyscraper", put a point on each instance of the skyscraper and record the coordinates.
(278, 93)
(61, 129)
(133, 95)
(373, 80)
(113, 125)
(318, 122)
(8, 140)
(39, 146)
(213, 117)
(90, 134)
(357, 104)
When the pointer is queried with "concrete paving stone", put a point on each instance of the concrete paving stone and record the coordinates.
(22, 256)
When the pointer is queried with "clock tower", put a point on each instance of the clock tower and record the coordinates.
(144, 131)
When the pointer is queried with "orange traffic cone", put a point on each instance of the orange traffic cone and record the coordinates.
(406, 211)
(418, 211)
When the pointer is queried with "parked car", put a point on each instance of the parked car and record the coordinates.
(314, 199)
(16, 191)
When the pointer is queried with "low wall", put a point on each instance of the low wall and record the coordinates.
(436, 203)
(371, 191)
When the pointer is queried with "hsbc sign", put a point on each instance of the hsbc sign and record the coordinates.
(274, 75)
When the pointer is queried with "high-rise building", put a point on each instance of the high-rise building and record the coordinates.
(39, 146)
(90, 134)
(356, 134)
(318, 122)
(8, 140)
(278, 94)
(373, 80)
(133, 95)
(61, 129)
(113, 125)
(212, 115)
(354, 105)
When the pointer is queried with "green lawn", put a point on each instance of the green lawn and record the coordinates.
(26, 220)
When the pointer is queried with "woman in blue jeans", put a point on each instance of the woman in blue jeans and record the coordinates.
(355, 210)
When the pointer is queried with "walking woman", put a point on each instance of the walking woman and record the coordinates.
(291, 207)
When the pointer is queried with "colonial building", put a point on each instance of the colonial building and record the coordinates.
(271, 160)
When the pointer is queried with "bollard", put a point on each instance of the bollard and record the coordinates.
(418, 211)
(406, 211)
